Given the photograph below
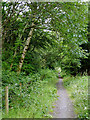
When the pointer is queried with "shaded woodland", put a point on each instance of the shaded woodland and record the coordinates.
(37, 39)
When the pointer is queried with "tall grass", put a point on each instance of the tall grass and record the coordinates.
(78, 90)
(36, 97)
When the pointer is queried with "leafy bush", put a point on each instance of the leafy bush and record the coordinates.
(78, 91)
(34, 97)
(64, 73)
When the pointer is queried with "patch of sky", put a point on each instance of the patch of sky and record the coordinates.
(68, 30)
(80, 36)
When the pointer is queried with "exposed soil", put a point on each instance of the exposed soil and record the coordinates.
(63, 106)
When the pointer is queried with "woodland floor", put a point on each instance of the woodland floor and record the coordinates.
(63, 106)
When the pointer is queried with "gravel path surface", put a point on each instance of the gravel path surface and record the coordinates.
(63, 106)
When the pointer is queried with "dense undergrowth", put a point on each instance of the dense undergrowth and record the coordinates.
(78, 90)
(30, 96)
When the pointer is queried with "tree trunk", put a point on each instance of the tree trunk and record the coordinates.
(13, 59)
(25, 49)
(17, 46)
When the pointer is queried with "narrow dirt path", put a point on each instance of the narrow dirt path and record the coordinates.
(63, 106)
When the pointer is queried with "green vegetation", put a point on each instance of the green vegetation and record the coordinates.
(78, 90)
(37, 38)
(57, 36)
(35, 97)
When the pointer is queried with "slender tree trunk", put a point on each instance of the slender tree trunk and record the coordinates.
(13, 59)
(16, 50)
(25, 49)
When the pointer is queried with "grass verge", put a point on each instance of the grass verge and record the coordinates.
(77, 88)
(36, 96)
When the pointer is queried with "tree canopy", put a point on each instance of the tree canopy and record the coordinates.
(59, 30)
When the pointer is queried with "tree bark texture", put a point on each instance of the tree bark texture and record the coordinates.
(25, 49)
(16, 50)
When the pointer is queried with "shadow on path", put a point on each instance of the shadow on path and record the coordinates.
(63, 106)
